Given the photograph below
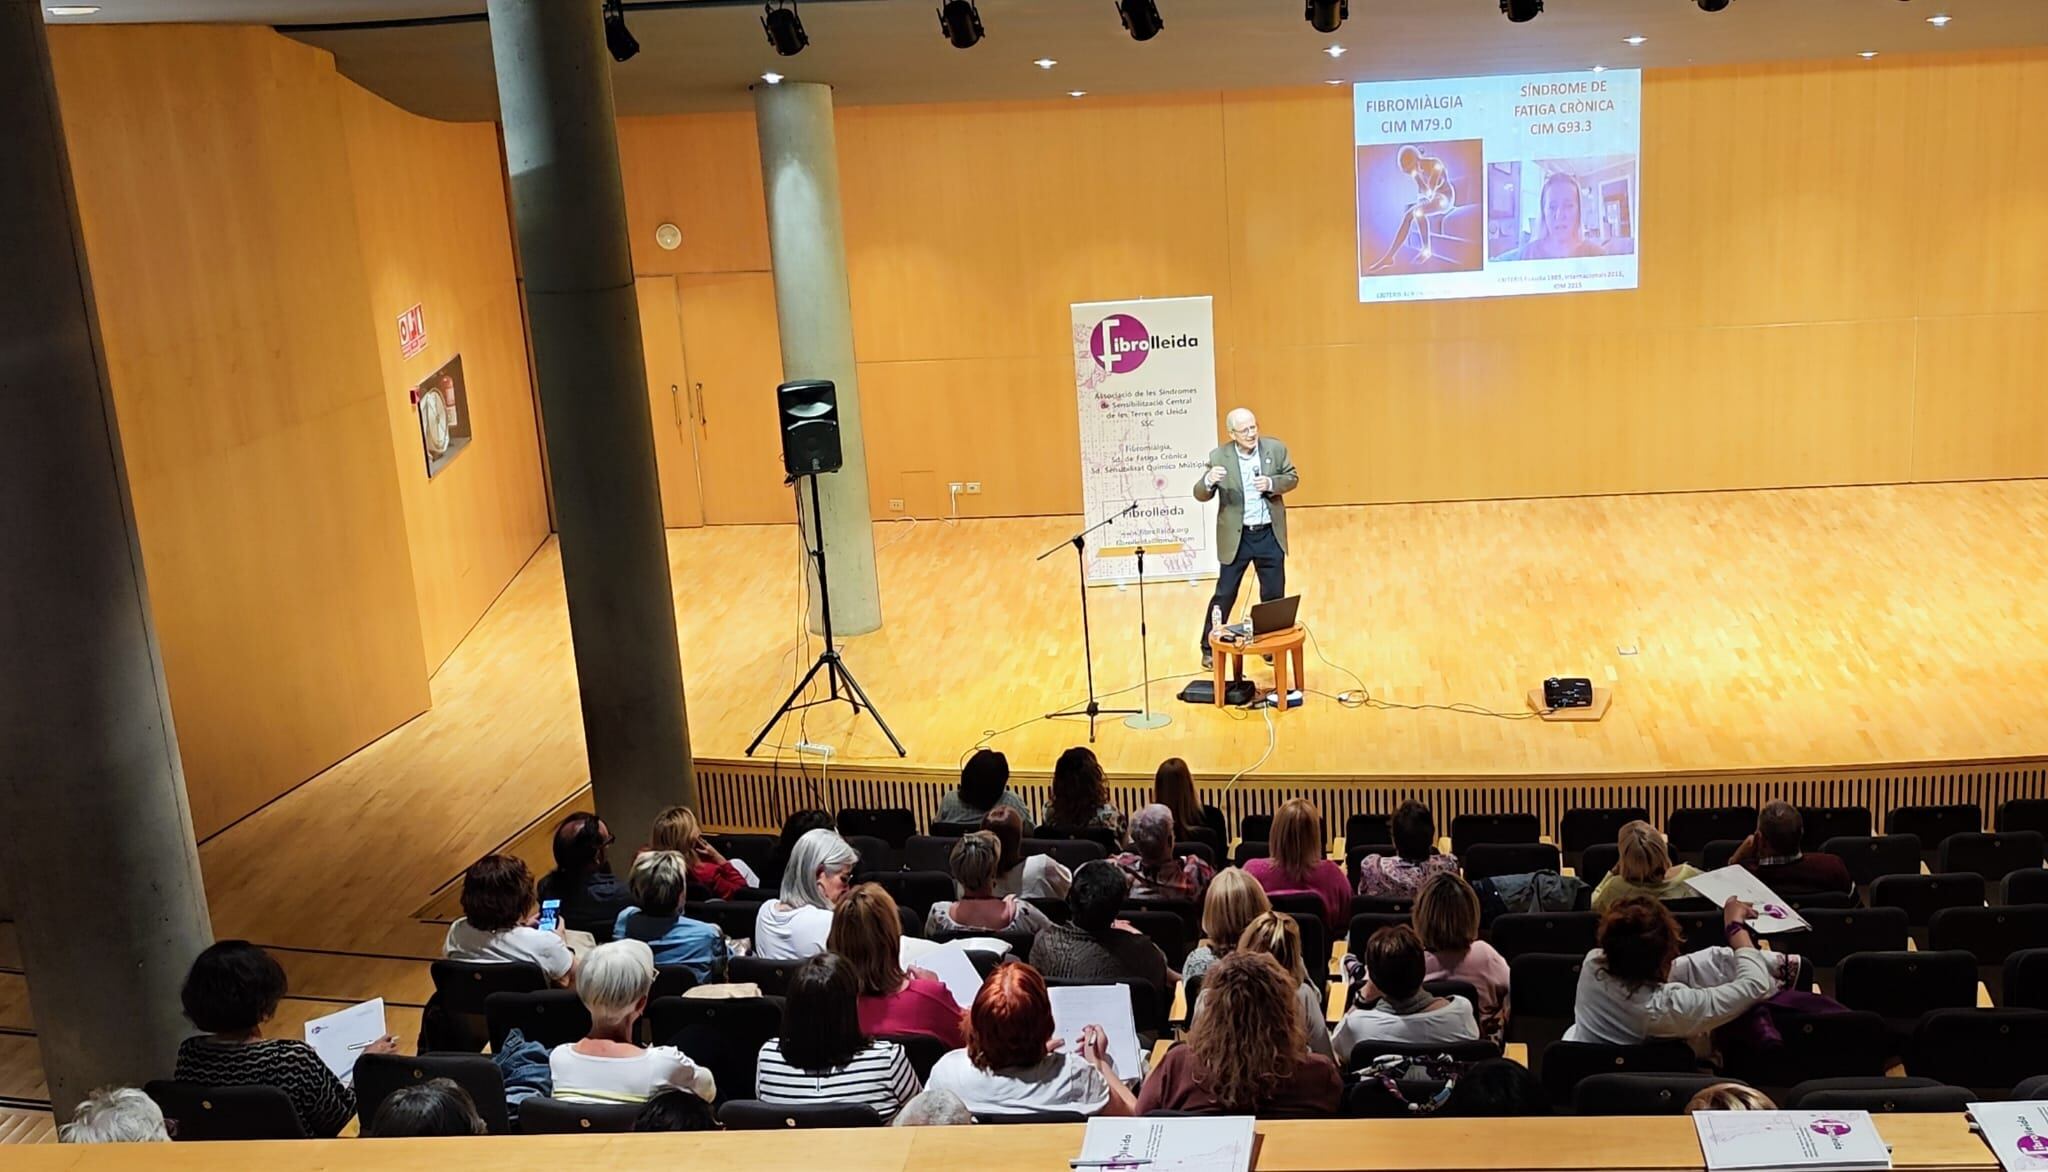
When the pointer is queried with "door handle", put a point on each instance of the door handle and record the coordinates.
(675, 404)
(697, 390)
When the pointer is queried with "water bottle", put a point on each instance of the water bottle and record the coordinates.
(1215, 620)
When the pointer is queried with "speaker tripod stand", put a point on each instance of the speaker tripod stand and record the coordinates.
(1093, 710)
(837, 675)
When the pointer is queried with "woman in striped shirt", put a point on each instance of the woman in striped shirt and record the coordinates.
(822, 1055)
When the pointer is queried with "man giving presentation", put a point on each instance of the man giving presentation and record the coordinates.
(1250, 474)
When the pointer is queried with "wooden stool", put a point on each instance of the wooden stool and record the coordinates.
(1281, 645)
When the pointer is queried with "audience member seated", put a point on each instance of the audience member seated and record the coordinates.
(1279, 937)
(1296, 864)
(1173, 786)
(1772, 854)
(975, 859)
(232, 990)
(1730, 1096)
(675, 1111)
(1154, 870)
(676, 829)
(1496, 1088)
(795, 926)
(1235, 900)
(867, 932)
(1094, 945)
(934, 1109)
(655, 917)
(825, 1054)
(1643, 868)
(1415, 858)
(1393, 1006)
(500, 909)
(1447, 921)
(115, 1115)
(1080, 794)
(1012, 1063)
(1246, 1052)
(606, 1066)
(984, 785)
(1638, 985)
(435, 1107)
(1039, 876)
(591, 895)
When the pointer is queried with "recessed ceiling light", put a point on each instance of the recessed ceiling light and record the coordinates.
(72, 9)
(1938, 20)
(1335, 50)
(772, 78)
(1335, 81)
(1045, 63)
(1077, 93)
(1634, 40)
(1867, 54)
(1599, 69)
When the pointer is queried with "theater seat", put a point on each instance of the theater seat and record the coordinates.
(1819, 823)
(1933, 824)
(1469, 830)
(755, 1115)
(197, 1112)
(893, 825)
(1870, 859)
(1990, 934)
(542, 1115)
(378, 1076)
(1879, 1096)
(1517, 933)
(1987, 1050)
(1690, 829)
(1639, 1094)
(1583, 827)
(1991, 856)
(1567, 1064)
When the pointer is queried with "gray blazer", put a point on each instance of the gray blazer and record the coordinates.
(1279, 466)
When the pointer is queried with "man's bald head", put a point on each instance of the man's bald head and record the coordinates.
(1244, 427)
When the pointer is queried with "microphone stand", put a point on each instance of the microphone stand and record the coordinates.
(1147, 718)
(1092, 710)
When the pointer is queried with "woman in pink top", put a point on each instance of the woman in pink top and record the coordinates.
(867, 931)
(1297, 866)
(1447, 920)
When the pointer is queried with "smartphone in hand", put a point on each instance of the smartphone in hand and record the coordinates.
(550, 914)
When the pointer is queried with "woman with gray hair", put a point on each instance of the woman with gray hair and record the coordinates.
(606, 1067)
(933, 1109)
(1154, 870)
(976, 862)
(819, 871)
(115, 1115)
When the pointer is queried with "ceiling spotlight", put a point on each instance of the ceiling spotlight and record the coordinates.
(961, 23)
(1938, 20)
(616, 38)
(1336, 51)
(1077, 93)
(1326, 15)
(1712, 5)
(1634, 40)
(772, 78)
(784, 27)
(1599, 69)
(1045, 63)
(1140, 17)
(1524, 10)
(1867, 54)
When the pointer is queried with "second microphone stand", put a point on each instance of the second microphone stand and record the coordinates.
(1092, 710)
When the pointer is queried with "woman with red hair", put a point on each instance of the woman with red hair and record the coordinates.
(1013, 1063)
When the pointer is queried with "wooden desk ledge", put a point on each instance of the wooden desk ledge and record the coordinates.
(1556, 1144)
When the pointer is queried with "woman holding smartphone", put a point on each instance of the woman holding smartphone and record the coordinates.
(502, 921)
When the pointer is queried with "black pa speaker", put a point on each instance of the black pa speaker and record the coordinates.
(809, 414)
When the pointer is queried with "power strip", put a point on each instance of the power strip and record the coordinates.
(813, 749)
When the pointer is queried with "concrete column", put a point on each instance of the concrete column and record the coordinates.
(800, 174)
(102, 872)
(569, 207)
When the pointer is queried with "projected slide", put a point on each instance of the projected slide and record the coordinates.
(1497, 186)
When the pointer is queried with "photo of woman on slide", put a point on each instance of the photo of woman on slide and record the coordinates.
(1434, 195)
(1561, 224)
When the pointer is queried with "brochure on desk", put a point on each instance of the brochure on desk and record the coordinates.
(1820, 1141)
(2017, 1133)
(1220, 1144)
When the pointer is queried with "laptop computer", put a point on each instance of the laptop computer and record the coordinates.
(1277, 615)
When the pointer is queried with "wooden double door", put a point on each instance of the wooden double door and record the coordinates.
(713, 360)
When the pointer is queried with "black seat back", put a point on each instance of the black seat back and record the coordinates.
(1543, 992)
(1689, 829)
(2024, 984)
(378, 1076)
(1365, 924)
(1368, 830)
(1932, 824)
(1639, 1094)
(1070, 852)
(1992, 856)
(196, 1112)
(724, 1035)
(734, 917)
(454, 1018)
(917, 890)
(1469, 830)
(1871, 858)
(1716, 854)
(1588, 826)
(1566, 1064)
(772, 976)
(923, 1051)
(1249, 849)
(1817, 824)
(1987, 1050)
(1988, 933)
(1879, 1096)
(949, 830)
(1517, 933)
(548, 1016)
(2026, 886)
(892, 824)
(1923, 895)
(1596, 861)
(2022, 814)
(1484, 860)
(755, 850)
(1835, 934)
(877, 854)
(755, 1115)
(929, 852)
(1255, 827)
(1165, 927)
(1477, 1050)
(1830, 1045)
(1901, 986)
(541, 1115)
(1315, 945)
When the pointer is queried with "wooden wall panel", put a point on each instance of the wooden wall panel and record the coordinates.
(703, 174)
(430, 207)
(1813, 234)
(220, 225)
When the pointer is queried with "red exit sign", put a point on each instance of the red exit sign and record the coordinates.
(412, 332)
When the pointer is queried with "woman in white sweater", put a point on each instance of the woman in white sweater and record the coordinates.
(1637, 986)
